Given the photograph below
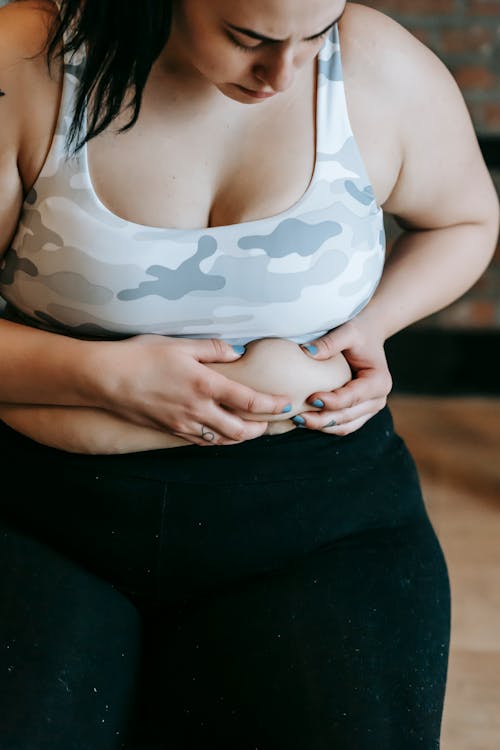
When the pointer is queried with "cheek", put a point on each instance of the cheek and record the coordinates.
(221, 62)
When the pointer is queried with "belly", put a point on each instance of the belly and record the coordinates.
(271, 365)
(280, 366)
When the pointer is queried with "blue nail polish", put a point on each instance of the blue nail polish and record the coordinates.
(310, 348)
(287, 409)
(318, 402)
(298, 419)
(239, 349)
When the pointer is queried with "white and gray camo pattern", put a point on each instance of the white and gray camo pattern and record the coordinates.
(76, 268)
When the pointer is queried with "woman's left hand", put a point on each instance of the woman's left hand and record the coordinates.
(349, 407)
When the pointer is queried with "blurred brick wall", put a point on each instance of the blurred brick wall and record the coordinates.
(465, 34)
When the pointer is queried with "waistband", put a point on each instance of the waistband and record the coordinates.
(300, 453)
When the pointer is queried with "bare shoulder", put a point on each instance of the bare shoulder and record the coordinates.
(371, 45)
(412, 100)
(382, 52)
(24, 26)
(24, 76)
(24, 29)
(28, 104)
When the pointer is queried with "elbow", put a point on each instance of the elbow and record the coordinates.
(492, 225)
(488, 223)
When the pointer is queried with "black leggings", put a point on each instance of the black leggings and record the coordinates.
(288, 593)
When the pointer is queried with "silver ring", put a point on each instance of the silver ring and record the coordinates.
(207, 434)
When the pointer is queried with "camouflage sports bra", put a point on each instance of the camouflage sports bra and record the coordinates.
(77, 268)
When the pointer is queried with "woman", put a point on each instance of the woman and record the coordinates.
(192, 228)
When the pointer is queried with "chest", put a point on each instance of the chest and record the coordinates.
(183, 167)
(193, 166)
(190, 166)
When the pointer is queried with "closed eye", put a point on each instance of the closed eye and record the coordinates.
(321, 35)
(244, 47)
(252, 48)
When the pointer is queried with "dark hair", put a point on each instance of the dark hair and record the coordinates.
(121, 40)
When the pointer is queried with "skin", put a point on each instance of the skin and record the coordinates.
(193, 110)
(266, 364)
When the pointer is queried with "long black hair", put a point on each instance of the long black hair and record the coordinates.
(121, 39)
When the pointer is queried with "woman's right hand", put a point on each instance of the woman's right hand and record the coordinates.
(164, 382)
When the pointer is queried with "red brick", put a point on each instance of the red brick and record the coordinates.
(423, 35)
(481, 287)
(467, 313)
(484, 8)
(474, 77)
(482, 313)
(496, 257)
(456, 315)
(491, 115)
(486, 114)
(473, 39)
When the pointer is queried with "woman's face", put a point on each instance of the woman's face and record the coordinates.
(250, 49)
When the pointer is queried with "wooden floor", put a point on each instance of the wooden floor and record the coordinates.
(456, 445)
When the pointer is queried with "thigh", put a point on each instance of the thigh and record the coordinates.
(69, 652)
(347, 650)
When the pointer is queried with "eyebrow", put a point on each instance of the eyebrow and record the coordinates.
(262, 38)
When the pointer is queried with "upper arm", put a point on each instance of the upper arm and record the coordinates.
(11, 191)
(10, 135)
(23, 30)
(443, 179)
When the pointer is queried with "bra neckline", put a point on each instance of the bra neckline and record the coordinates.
(220, 227)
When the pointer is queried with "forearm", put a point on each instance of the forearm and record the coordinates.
(95, 431)
(269, 364)
(426, 271)
(84, 429)
(45, 368)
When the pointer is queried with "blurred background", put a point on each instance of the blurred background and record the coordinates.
(446, 395)
(465, 34)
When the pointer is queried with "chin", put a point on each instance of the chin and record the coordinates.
(232, 91)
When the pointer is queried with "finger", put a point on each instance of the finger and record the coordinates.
(349, 427)
(215, 350)
(329, 345)
(197, 440)
(204, 435)
(338, 420)
(221, 427)
(212, 417)
(242, 398)
(204, 438)
(365, 387)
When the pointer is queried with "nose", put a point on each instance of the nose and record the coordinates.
(278, 69)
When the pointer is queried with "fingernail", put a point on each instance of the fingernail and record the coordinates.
(298, 419)
(239, 349)
(310, 348)
(287, 409)
(318, 402)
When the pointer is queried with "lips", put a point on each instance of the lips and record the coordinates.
(256, 94)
